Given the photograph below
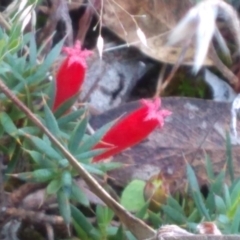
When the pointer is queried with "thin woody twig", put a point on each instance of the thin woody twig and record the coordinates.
(135, 225)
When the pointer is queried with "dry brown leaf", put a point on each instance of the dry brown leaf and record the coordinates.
(154, 17)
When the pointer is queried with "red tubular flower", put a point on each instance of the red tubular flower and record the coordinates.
(70, 75)
(133, 128)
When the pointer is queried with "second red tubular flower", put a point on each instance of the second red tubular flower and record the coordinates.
(133, 128)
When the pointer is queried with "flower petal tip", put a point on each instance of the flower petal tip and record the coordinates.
(155, 111)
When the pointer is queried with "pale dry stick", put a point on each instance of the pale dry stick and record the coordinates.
(135, 225)
(33, 216)
(175, 67)
(160, 80)
(49, 230)
(4, 23)
(226, 72)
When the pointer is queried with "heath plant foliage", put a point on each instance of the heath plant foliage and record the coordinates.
(26, 70)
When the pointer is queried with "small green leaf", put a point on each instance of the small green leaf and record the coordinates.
(104, 217)
(223, 219)
(28, 130)
(132, 197)
(142, 213)
(40, 159)
(51, 122)
(77, 135)
(36, 156)
(52, 56)
(8, 124)
(63, 163)
(120, 234)
(175, 216)
(227, 197)
(235, 200)
(80, 232)
(84, 223)
(92, 140)
(220, 205)
(54, 186)
(92, 169)
(45, 148)
(70, 117)
(64, 206)
(43, 175)
(66, 182)
(194, 216)
(174, 204)
(108, 166)
(229, 157)
(78, 195)
(235, 226)
(209, 167)
(196, 194)
(32, 50)
(90, 154)
(235, 193)
(65, 106)
(155, 219)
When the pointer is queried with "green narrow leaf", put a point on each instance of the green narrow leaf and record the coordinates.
(90, 154)
(229, 157)
(92, 169)
(92, 140)
(235, 226)
(227, 197)
(174, 215)
(174, 204)
(194, 216)
(77, 135)
(32, 50)
(52, 55)
(36, 156)
(54, 186)
(217, 184)
(81, 233)
(84, 223)
(44, 147)
(220, 205)
(64, 206)
(65, 106)
(14, 154)
(197, 196)
(142, 213)
(8, 125)
(209, 167)
(43, 175)
(235, 193)
(120, 234)
(28, 130)
(155, 219)
(108, 166)
(70, 117)
(50, 121)
(78, 195)
(50, 92)
(104, 215)
(66, 179)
